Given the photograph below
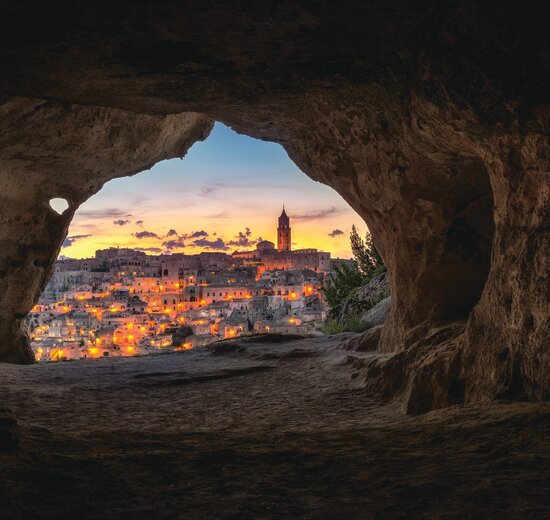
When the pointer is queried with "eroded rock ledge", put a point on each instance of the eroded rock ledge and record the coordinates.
(430, 119)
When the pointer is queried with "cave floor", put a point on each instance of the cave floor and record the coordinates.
(271, 430)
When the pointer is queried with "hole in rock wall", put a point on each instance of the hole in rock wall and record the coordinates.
(59, 205)
(181, 247)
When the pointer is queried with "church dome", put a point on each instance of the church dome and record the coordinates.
(265, 244)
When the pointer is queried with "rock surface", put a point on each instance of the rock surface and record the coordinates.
(361, 301)
(276, 430)
(429, 118)
(377, 314)
(9, 431)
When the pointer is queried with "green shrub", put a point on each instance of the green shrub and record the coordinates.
(353, 324)
(343, 280)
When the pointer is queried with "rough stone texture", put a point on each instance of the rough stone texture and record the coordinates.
(265, 431)
(364, 298)
(365, 342)
(429, 118)
(377, 314)
(9, 431)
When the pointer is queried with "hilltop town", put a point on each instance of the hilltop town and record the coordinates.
(124, 302)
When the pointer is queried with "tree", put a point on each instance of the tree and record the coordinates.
(347, 277)
(342, 281)
(368, 259)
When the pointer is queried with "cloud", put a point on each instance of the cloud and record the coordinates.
(173, 244)
(172, 233)
(148, 249)
(146, 234)
(217, 245)
(243, 239)
(139, 223)
(68, 242)
(103, 213)
(335, 233)
(206, 190)
(121, 222)
(195, 234)
(222, 214)
(317, 215)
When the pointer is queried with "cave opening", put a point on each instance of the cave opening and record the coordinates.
(209, 218)
(59, 205)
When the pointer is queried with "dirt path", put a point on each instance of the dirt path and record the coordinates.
(267, 431)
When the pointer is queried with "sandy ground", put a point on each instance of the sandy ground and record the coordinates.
(264, 430)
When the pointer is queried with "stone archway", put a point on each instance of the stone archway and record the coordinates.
(427, 119)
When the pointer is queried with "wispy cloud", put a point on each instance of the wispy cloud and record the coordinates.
(69, 241)
(222, 214)
(146, 234)
(317, 215)
(121, 222)
(148, 249)
(172, 233)
(104, 213)
(206, 190)
(335, 233)
(139, 223)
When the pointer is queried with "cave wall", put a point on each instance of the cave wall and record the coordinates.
(52, 150)
(431, 120)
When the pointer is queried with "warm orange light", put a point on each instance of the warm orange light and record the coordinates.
(93, 350)
(231, 332)
(292, 320)
(130, 349)
(130, 326)
(167, 310)
(142, 329)
(203, 302)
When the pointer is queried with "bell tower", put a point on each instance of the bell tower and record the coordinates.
(283, 232)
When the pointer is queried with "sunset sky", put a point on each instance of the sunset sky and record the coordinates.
(224, 195)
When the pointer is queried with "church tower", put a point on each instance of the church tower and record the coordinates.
(283, 232)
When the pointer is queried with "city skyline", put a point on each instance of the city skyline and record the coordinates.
(189, 206)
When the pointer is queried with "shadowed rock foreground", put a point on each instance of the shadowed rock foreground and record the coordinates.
(264, 430)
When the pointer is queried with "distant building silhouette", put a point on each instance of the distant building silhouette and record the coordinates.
(283, 232)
